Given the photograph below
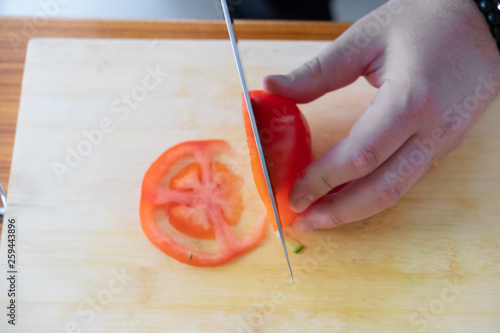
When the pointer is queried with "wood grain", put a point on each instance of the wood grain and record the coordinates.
(12, 55)
(15, 33)
(435, 254)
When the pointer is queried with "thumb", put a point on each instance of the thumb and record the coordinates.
(340, 64)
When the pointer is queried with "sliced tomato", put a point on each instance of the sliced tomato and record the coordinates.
(202, 201)
(223, 191)
(286, 141)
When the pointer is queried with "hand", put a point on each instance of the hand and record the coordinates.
(437, 68)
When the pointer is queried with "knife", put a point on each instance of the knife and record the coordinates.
(234, 44)
(3, 200)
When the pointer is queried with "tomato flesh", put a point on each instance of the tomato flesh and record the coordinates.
(221, 193)
(202, 201)
(286, 141)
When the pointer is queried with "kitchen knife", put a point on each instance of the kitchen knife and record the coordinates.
(234, 44)
(3, 201)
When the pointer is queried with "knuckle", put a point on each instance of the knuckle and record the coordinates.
(418, 101)
(334, 220)
(450, 126)
(327, 181)
(314, 67)
(387, 197)
(364, 160)
(447, 127)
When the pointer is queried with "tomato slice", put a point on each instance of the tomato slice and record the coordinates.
(202, 201)
(286, 141)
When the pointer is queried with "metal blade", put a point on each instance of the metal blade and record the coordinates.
(236, 52)
(3, 201)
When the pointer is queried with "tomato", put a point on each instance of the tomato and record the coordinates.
(286, 142)
(202, 201)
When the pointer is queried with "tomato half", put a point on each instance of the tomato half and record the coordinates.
(202, 201)
(286, 141)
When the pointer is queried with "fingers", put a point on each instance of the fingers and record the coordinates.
(338, 65)
(369, 195)
(377, 135)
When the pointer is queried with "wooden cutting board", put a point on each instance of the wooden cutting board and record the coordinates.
(429, 264)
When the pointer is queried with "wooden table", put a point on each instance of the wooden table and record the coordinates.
(15, 33)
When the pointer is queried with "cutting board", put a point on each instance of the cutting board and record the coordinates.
(429, 264)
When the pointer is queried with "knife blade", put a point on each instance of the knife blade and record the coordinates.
(3, 201)
(234, 44)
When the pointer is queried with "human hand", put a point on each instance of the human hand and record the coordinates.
(437, 68)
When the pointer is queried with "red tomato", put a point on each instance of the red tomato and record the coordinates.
(286, 141)
(202, 200)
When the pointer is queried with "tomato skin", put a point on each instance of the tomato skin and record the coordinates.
(153, 198)
(286, 141)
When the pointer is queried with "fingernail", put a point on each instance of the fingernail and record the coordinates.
(281, 79)
(302, 225)
(302, 203)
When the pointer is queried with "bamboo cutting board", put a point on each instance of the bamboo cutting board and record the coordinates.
(429, 264)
